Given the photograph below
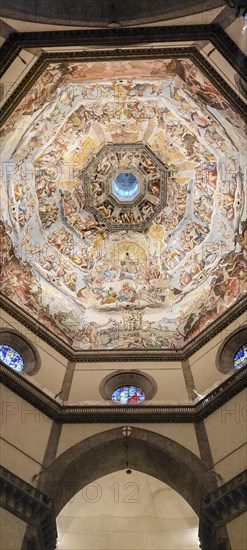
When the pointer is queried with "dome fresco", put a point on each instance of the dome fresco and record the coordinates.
(124, 200)
(95, 284)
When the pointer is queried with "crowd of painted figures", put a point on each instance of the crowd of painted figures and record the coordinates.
(95, 288)
(107, 199)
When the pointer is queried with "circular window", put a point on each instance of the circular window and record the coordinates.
(128, 387)
(125, 187)
(240, 358)
(128, 395)
(11, 357)
(17, 353)
(232, 354)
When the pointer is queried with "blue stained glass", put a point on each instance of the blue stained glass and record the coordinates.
(11, 357)
(125, 186)
(128, 395)
(240, 358)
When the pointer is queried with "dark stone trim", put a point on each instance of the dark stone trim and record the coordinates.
(55, 433)
(66, 414)
(229, 50)
(204, 446)
(67, 381)
(219, 508)
(119, 37)
(126, 355)
(201, 434)
(188, 379)
(9, 51)
(52, 444)
(190, 52)
(31, 506)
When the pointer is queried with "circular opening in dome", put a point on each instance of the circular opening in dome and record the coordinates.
(125, 186)
(11, 358)
(128, 395)
(240, 358)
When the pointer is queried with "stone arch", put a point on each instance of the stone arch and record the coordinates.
(148, 452)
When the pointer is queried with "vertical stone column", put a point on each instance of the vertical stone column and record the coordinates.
(220, 535)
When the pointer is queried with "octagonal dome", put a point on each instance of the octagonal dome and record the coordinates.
(105, 275)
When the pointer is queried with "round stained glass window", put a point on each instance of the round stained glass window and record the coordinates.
(125, 187)
(128, 395)
(240, 358)
(11, 357)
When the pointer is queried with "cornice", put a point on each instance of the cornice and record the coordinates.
(31, 506)
(80, 414)
(133, 355)
(220, 507)
(127, 36)
(190, 52)
(229, 50)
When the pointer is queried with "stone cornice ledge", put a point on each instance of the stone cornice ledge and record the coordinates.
(126, 36)
(101, 355)
(63, 413)
(219, 508)
(32, 507)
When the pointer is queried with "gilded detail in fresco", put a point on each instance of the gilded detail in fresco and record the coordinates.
(105, 261)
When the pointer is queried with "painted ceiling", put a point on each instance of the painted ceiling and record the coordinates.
(122, 204)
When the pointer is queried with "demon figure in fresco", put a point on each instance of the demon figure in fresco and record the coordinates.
(122, 204)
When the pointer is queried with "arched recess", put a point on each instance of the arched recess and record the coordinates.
(148, 452)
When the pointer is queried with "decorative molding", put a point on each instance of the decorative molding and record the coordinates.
(219, 508)
(31, 506)
(124, 355)
(124, 37)
(66, 414)
(225, 45)
(190, 52)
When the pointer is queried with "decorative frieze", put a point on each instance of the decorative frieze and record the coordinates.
(32, 507)
(75, 413)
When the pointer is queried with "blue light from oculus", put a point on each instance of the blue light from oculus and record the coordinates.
(128, 395)
(11, 357)
(125, 186)
(240, 358)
